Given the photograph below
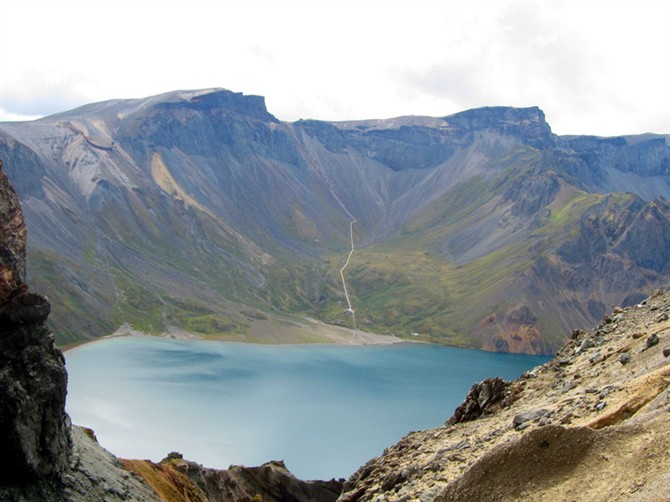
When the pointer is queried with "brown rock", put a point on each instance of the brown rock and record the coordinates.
(12, 242)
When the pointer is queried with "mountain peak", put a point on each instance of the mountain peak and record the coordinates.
(489, 116)
(202, 99)
(529, 122)
(210, 99)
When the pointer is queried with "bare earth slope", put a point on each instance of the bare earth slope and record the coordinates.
(589, 425)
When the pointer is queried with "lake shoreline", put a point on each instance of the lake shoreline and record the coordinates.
(359, 338)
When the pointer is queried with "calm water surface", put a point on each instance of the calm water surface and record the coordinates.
(324, 410)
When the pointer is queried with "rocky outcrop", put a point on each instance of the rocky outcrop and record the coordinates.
(643, 155)
(532, 193)
(517, 331)
(527, 124)
(484, 398)
(13, 241)
(591, 424)
(34, 430)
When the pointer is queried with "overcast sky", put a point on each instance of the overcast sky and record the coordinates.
(594, 67)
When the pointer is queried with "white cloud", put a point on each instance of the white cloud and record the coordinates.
(592, 66)
(6, 116)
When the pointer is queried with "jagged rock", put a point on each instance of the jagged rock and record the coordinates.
(666, 352)
(661, 317)
(615, 318)
(481, 399)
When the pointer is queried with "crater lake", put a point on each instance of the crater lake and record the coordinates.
(323, 409)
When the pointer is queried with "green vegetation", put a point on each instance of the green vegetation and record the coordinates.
(214, 325)
(62, 281)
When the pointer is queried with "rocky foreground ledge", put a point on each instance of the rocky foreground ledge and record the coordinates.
(591, 424)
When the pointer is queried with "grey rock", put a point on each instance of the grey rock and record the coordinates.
(661, 317)
(586, 344)
(616, 318)
(567, 386)
(666, 352)
(651, 341)
(528, 416)
(566, 418)
(624, 358)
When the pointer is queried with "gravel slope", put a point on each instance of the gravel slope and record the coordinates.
(589, 425)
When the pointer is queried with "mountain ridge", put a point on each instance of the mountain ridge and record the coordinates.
(187, 208)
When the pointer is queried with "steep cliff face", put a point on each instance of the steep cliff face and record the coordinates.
(34, 430)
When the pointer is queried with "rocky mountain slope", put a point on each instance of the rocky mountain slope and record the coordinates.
(589, 425)
(199, 210)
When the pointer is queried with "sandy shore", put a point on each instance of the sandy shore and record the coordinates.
(287, 332)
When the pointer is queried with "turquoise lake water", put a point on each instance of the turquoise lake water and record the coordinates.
(324, 410)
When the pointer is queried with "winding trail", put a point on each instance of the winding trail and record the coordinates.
(318, 168)
(350, 310)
